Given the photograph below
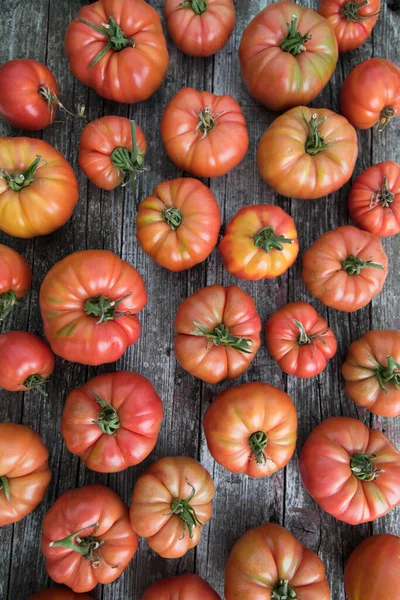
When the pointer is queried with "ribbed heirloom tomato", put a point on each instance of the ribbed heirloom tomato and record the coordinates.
(59, 594)
(351, 471)
(15, 279)
(352, 20)
(183, 587)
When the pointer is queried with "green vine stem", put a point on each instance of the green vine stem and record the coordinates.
(315, 142)
(20, 179)
(187, 514)
(198, 6)
(52, 99)
(7, 302)
(116, 38)
(107, 419)
(104, 308)
(129, 162)
(387, 114)
(207, 121)
(36, 382)
(258, 442)
(5, 486)
(353, 265)
(266, 239)
(350, 12)
(389, 374)
(363, 468)
(304, 338)
(294, 41)
(220, 335)
(382, 196)
(283, 591)
(173, 217)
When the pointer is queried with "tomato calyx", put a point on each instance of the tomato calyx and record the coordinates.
(266, 239)
(388, 374)
(387, 114)
(198, 6)
(294, 41)
(363, 468)
(350, 12)
(7, 302)
(4, 486)
(116, 38)
(107, 419)
(129, 162)
(52, 99)
(315, 142)
(207, 121)
(353, 265)
(304, 338)
(187, 514)
(20, 179)
(283, 591)
(258, 442)
(220, 335)
(382, 196)
(104, 308)
(173, 217)
(36, 382)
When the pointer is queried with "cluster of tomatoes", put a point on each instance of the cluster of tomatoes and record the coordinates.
(89, 300)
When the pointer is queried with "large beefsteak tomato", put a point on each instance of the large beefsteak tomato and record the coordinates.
(15, 279)
(183, 587)
(59, 594)
(352, 20)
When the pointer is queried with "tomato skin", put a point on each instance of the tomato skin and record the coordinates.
(350, 33)
(325, 468)
(327, 280)
(194, 239)
(307, 176)
(164, 481)
(15, 279)
(183, 587)
(267, 554)
(59, 594)
(283, 336)
(68, 286)
(238, 247)
(222, 148)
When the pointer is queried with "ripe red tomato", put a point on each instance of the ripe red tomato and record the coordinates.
(170, 503)
(178, 225)
(345, 268)
(370, 94)
(372, 372)
(322, 147)
(200, 27)
(351, 471)
(87, 538)
(15, 279)
(300, 340)
(352, 21)
(252, 429)
(269, 562)
(183, 587)
(59, 594)
(24, 472)
(38, 187)
(374, 200)
(204, 134)
(287, 55)
(26, 362)
(112, 422)
(117, 47)
(259, 243)
(88, 302)
(218, 333)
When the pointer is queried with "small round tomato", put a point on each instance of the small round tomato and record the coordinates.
(372, 372)
(88, 302)
(370, 94)
(112, 422)
(300, 340)
(204, 134)
(183, 587)
(351, 471)
(178, 225)
(252, 429)
(322, 147)
(345, 268)
(218, 333)
(170, 503)
(200, 27)
(59, 594)
(15, 279)
(352, 20)
(374, 200)
(87, 538)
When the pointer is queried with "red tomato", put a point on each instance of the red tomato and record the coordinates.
(15, 279)
(204, 134)
(351, 471)
(26, 362)
(178, 225)
(200, 27)
(170, 503)
(89, 302)
(352, 20)
(24, 472)
(372, 372)
(370, 94)
(322, 147)
(287, 55)
(87, 538)
(59, 594)
(374, 200)
(269, 562)
(112, 422)
(300, 340)
(117, 47)
(218, 333)
(259, 243)
(345, 268)
(252, 429)
(183, 587)
(38, 187)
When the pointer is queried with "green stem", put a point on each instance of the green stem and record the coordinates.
(353, 265)
(388, 374)
(315, 142)
(107, 419)
(350, 12)
(198, 6)
(36, 382)
(186, 512)
(7, 302)
(129, 162)
(294, 41)
(304, 338)
(363, 468)
(50, 97)
(4, 486)
(173, 217)
(116, 38)
(207, 121)
(266, 239)
(283, 591)
(387, 114)
(88, 546)
(221, 336)
(20, 179)
(382, 195)
(104, 308)
(258, 442)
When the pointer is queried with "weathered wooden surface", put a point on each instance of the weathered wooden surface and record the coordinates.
(106, 220)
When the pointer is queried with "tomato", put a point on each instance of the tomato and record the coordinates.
(370, 94)
(300, 340)
(322, 147)
(112, 422)
(352, 20)
(374, 200)
(351, 471)
(178, 225)
(259, 243)
(117, 47)
(15, 279)
(218, 333)
(59, 594)
(345, 268)
(372, 372)
(200, 27)
(287, 55)
(89, 302)
(269, 562)
(38, 187)
(170, 503)
(87, 538)
(252, 429)
(183, 587)
(204, 134)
